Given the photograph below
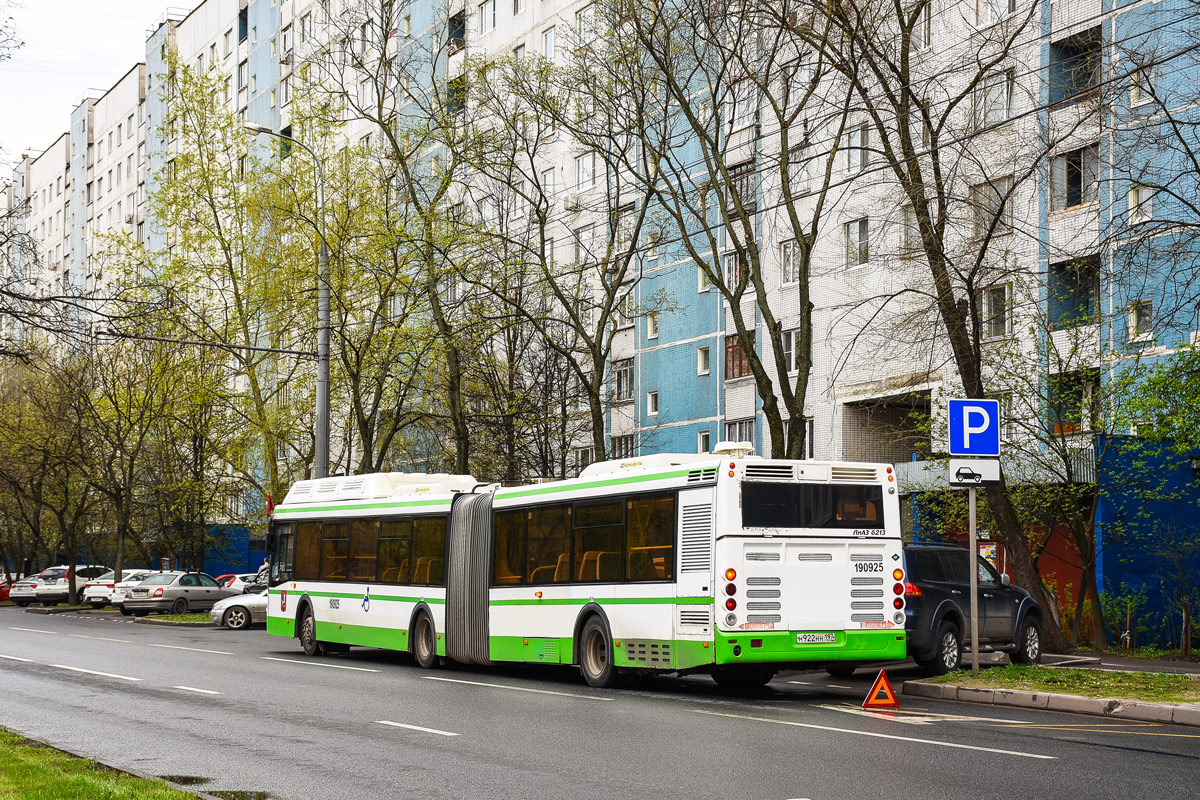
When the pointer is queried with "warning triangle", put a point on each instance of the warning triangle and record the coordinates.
(881, 695)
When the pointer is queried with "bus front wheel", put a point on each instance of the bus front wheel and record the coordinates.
(308, 635)
(424, 646)
(595, 655)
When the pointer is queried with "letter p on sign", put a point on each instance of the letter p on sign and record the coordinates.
(974, 427)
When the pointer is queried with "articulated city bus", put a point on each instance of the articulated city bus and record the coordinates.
(728, 564)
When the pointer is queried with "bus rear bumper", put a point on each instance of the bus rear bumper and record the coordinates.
(781, 647)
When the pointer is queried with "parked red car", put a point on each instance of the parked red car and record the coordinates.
(5, 586)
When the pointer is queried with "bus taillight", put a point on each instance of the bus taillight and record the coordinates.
(897, 574)
(730, 604)
(898, 588)
(898, 602)
(730, 574)
(731, 588)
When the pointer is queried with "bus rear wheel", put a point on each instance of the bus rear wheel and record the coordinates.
(308, 635)
(596, 657)
(424, 644)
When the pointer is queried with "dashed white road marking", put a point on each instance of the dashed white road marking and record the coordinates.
(838, 686)
(193, 649)
(916, 717)
(516, 688)
(29, 630)
(16, 658)
(802, 683)
(94, 672)
(99, 638)
(415, 728)
(317, 664)
(875, 735)
(194, 689)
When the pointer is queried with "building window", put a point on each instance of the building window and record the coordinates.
(585, 171)
(651, 404)
(857, 153)
(703, 281)
(737, 364)
(548, 43)
(1074, 178)
(789, 260)
(989, 12)
(1074, 70)
(652, 325)
(858, 251)
(734, 269)
(993, 99)
(911, 243)
(1071, 401)
(519, 52)
(243, 74)
(585, 23)
(518, 7)
(1140, 206)
(229, 41)
(622, 378)
(581, 457)
(703, 441)
(1141, 320)
(1073, 292)
(621, 446)
(740, 430)
(703, 360)
(742, 186)
(744, 113)
(791, 351)
(487, 16)
(990, 206)
(995, 311)
(1140, 90)
(922, 32)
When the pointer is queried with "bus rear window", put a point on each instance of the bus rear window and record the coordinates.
(811, 505)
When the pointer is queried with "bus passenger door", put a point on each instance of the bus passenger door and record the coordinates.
(694, 574)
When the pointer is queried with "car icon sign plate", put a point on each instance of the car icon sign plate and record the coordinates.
(965, 473)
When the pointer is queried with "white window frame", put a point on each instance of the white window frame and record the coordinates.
(857, 237)
(988, 311)
(549, 190)
(983, 199)
(1141, 204)
(1089, 190)
(740, 430)
(487, 16)
(789, 266)
(703, 282)
(519, 7)
(744, 114)
(652, 325)
(1140, 328)
(585, 171)
(1141, 89)
(994, 98)
(622, 380)
(623, 446)
(704, 441)
(910, 233)
(989, 12)
(651, 404)
(789, 350)
(704, 360)
(858, 142)
(548, 44)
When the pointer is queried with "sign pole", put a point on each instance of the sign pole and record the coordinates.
(974, 573)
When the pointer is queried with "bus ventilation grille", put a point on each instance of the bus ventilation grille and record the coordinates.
(866, 592)
(866, 605)
(866, 581)
(771, 592)
(762, 556)
(653, 654)
(549, 651)
(702, 475)
(866, 557)
(695, 553)
(763, 606)
(866, 617)
(770, 472)
(815, 557)
(766, 618)
(854, 474)
(761, 580)
(695, 616)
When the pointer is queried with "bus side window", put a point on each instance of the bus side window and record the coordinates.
(394, 542)
(283, 554)
(650, 538)
(509, 548)
(549, 544)
(335, 548)
(429, 550)
(364, 541)
(308, 550)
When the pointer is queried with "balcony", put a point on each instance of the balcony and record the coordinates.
(1068, 17)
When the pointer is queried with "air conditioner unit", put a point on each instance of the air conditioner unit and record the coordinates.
(129, 219)
(571, 202)
(454, 45)
(286, 58)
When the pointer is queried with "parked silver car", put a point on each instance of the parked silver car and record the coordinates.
(241, 611)
(177, 593)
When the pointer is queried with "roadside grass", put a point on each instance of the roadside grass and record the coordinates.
(1146, 651)
(1155, 687)
(32, 771)
(197, 617)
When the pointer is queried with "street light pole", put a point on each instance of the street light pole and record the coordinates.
(321, 429)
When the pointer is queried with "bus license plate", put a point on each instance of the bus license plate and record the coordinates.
(816, 638)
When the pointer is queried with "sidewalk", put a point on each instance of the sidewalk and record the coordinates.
(1117, 708)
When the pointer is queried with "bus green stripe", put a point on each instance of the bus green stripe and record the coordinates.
(604, 601)
(359, 506)
(374, 597)
(550, 488)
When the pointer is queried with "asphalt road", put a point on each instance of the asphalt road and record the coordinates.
(250, 712)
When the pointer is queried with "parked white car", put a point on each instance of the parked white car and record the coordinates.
(100, 592)
(241, 611)
(121, 590)
(53, 592)
(25, 590)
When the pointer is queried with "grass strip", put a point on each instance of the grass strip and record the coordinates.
(183, 617)
(32, 771)
(1155, 687)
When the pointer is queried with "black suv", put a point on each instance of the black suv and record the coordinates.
(938, 609)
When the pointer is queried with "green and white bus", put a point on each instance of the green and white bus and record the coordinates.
(727, 563)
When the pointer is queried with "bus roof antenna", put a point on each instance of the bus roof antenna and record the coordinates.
(733, 449)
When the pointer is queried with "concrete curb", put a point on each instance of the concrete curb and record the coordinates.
(1172, 713)
(149, 621)
(56, 610)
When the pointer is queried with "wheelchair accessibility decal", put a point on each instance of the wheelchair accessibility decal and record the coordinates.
(366, 601)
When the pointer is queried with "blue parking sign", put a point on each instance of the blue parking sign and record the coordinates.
(974, 427)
